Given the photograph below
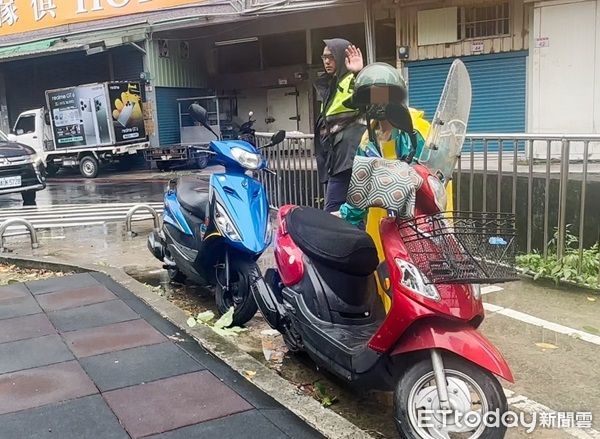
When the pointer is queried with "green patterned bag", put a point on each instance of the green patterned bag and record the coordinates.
(390, 184)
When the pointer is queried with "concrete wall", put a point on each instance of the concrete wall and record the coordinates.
(565, 76)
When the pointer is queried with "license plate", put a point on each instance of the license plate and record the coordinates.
(165, 157)
(10, 181)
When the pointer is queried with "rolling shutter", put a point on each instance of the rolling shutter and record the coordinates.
(499, 90)
(168, 112)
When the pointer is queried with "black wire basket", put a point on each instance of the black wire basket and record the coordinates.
(462, 247)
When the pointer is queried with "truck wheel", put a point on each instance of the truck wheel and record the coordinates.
(28, 198)
(89, 166)
(202, 162)
(51, 170)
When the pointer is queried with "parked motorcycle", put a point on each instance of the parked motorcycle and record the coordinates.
(246, 131)
(214, 236)
(323, 295)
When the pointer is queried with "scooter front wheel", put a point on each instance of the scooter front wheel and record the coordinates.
(477, 402)
(238, 295)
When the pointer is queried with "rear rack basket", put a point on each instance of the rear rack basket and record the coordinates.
(462, 247)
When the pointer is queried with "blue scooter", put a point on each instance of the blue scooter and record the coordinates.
(214, 237)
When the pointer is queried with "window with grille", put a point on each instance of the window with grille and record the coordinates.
(484, 21)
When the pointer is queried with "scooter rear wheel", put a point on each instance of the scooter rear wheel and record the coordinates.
(175, 275)
(239, 294)
(471, 390)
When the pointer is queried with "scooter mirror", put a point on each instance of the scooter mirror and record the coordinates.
(278, 137)
(199, 114)
(250, 114)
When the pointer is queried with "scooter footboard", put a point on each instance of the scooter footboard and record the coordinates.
(460, 339)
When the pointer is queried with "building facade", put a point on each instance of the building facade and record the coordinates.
(533, 65)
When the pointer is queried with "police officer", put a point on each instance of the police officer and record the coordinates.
(338, 129)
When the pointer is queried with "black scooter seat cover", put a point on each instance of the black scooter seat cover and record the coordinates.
(192, 196)
(332, 241)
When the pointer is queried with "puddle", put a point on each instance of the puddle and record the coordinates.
(371, 411)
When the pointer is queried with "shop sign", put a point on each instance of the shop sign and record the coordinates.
(18, 16)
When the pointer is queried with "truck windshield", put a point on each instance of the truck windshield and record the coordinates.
(25, 124)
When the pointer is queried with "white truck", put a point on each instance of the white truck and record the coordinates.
(86, 126)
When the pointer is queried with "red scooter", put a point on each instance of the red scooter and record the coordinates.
(323, 296)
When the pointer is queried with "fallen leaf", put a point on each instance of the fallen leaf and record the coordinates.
(591, 330)
(546, 346)
(191, 322)
(205, 316)
(249, 373)
(226, 319)
(174, 338)
(591, 299)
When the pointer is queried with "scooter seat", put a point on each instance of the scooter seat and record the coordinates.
(192, 196)
(332, 241)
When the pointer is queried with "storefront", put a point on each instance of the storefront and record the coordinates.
(490, 37)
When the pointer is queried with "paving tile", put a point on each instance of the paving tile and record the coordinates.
(43, 385)
(241, 425)
(34, 352)
(90, 316)
(18, 304)
(74, 297)
(55, 284)
(173, 403)
(82, 418)
(21, 328)
(290, 424)
(12, 291)
(238, 383)
(139, 365)
(110, 338)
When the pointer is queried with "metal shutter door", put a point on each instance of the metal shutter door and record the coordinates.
(128, 63)
(168, 112)
(499, 90)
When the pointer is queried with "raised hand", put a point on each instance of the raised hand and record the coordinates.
(354, 59)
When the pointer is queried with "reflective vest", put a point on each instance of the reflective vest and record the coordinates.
(345, 88)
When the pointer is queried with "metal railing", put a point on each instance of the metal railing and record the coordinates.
(295, 180)
(546, 180)
(542, 178)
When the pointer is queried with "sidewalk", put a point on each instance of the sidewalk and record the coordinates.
(82, 357)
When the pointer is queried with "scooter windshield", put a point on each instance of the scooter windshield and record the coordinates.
(449, 125)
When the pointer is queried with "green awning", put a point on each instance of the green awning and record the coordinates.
(37, 47)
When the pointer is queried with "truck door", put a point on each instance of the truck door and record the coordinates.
(29, 130)
(282, 109)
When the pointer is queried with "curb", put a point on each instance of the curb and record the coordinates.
(325, 421)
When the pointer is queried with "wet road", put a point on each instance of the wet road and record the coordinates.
(92, 192)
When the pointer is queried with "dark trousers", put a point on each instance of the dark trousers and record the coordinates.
(337, 190)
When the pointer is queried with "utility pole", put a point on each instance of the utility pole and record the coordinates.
(370, 31)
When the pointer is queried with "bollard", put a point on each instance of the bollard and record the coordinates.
(23, 222)
(134, 209)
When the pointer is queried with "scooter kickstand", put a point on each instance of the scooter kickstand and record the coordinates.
(440, 379)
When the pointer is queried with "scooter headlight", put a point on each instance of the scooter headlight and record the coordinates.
(225, 224)
(439, 192)
(247, 159)
(413, 279)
